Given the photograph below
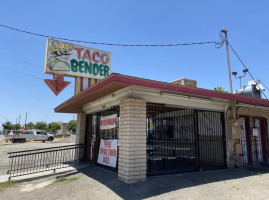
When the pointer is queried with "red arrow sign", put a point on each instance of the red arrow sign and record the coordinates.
(57, 84)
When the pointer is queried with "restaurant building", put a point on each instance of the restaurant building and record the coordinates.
(167, 127)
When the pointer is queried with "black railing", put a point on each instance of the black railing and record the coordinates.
(40, 160)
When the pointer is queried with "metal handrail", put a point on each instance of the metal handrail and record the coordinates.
(44, 148)
(40, 160)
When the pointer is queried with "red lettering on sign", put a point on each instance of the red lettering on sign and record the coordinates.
(79, 51)
(107, 122)
(87, 55)
(107, 144)
(94, 56)
(106, 160)
(112, 152)
(103, 151)
(104, 58)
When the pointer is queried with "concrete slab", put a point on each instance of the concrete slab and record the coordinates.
(39, 175)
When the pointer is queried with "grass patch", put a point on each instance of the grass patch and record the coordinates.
(7, 184)
(64, 179)
(259, 174)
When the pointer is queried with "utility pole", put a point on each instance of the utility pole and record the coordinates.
(25, 121)
(19, 119)
(228, 58)
(224, 30)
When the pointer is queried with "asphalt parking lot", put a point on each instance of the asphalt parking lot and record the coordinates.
(9, 147)
(97, 183)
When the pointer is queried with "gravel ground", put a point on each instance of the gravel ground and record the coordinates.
(9, 147)
(97, 183)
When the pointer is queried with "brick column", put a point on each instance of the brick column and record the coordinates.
(80, 129)
(132, 141)
(80, 135)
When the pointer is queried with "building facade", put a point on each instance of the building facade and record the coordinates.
(168, 128)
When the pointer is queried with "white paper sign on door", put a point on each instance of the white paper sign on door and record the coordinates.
(255, 132)
(108, 152)
(108, 122)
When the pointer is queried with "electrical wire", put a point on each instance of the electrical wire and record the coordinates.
(223, 39)
(259, 78)
(112, 44)
(20, 73)
(20, 60)
(247, 68)
(217, 45)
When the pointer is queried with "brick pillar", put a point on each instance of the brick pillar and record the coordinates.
(80, 129)
(132, 141)
(80, 136)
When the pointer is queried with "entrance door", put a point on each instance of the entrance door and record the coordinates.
(254, 141)
(94, 134)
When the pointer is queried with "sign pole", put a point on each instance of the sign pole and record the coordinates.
(77, 85)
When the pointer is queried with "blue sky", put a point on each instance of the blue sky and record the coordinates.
(129, 22)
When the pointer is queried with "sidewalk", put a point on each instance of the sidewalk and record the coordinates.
(97, 183)
(39, 175)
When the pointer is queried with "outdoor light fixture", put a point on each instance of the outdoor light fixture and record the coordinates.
(235, 74)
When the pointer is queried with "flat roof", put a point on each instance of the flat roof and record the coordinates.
(116, 82)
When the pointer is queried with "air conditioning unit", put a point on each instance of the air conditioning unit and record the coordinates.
(252, 89)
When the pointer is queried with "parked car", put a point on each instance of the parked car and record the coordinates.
(34, 135)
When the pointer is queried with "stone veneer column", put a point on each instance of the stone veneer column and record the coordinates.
(80, 136)
(132, 165)
(80, 129)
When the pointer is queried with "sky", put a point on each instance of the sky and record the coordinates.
(128, 22)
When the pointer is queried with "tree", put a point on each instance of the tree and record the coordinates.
(8, 126)
(17, 126)
(71, 125)
(41, 125)
(220, 89)
(54, 126)
(30, 125)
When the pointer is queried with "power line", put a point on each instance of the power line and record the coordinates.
(248, 70)
(259, 78)
(23, 61)
(221, 36)
(21, 73)
(217, 44)
(110, 44)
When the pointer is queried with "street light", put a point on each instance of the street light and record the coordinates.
(235, 74)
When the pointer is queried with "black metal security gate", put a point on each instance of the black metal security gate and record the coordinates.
(182, 139)
(94, 134)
